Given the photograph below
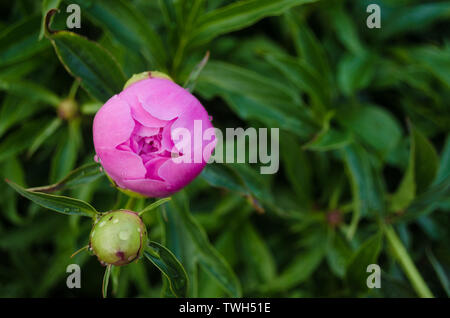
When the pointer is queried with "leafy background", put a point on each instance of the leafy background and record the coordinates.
(365, 149)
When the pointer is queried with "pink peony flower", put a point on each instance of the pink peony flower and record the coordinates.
(134, 137)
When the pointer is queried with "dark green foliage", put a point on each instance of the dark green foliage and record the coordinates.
(364, 123)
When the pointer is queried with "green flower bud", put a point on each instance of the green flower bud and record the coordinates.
(118, 237)
(68, 109)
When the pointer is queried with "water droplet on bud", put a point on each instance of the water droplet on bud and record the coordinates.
(124, 235)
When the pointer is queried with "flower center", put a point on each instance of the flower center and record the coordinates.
(149, 144)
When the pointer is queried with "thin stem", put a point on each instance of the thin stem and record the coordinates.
(106, 281)
(407, 264)
(80, 250)
(130, 204)
(154, 205)
(74, 89)
(178, 55)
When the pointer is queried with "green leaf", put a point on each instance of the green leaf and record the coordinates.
(80, 176)
(444, 166)
(434, 60)
(223, 176)
(426, 161)
(355, 72)
(171, 268)
(64, 205)
(421, 171)
(338, 255)
(366, 254)
(345, 28)
(18, 140)
(193, 76)
(373, 125)
(66, 154)
(254, 96)
(13, 170)
(406, 191)
(90, 108)
(15, 110)
(413, 18)
(300, 73)
(308, 47)
(190, 244)
(256, 254)
(403, 258)
(20, 41)
(427, 202)
(128, 26)
(366, 187)
(328, 138)
(45, 133)
(30, 91)
(47, 5)
(106, 281)
(241, 179)
(300, 268)
(237, 16)
(100, 75)
(154, 205)
(440, 272)
(297, 168)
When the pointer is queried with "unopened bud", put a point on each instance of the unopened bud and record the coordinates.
(118, 237)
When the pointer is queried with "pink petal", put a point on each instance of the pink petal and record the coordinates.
(160, 97)
(113, 124)
(166, 141)
(121, 165)
(144, 117)
(148, 187)
(145, 131)
(153, 166)
(179, 175)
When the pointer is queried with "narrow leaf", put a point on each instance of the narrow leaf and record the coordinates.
(106, 281)
(192, 79)
(238, 15)
(82, 175)
(100, 75)
(169, 266)
(30, 91)
(128, 26)
(189, 242)
(366, 188)
(20, 41)
(366, 254)
(64, 205)
(154, 205)
(44, 134)
(440, 272)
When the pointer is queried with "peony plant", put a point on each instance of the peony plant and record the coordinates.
(134, 143)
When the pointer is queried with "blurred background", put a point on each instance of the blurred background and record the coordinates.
(364, 121)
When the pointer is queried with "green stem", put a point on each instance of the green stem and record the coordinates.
(407, 264)
(130, 204)
(74, 89)
(80, 250)
(178, 56)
